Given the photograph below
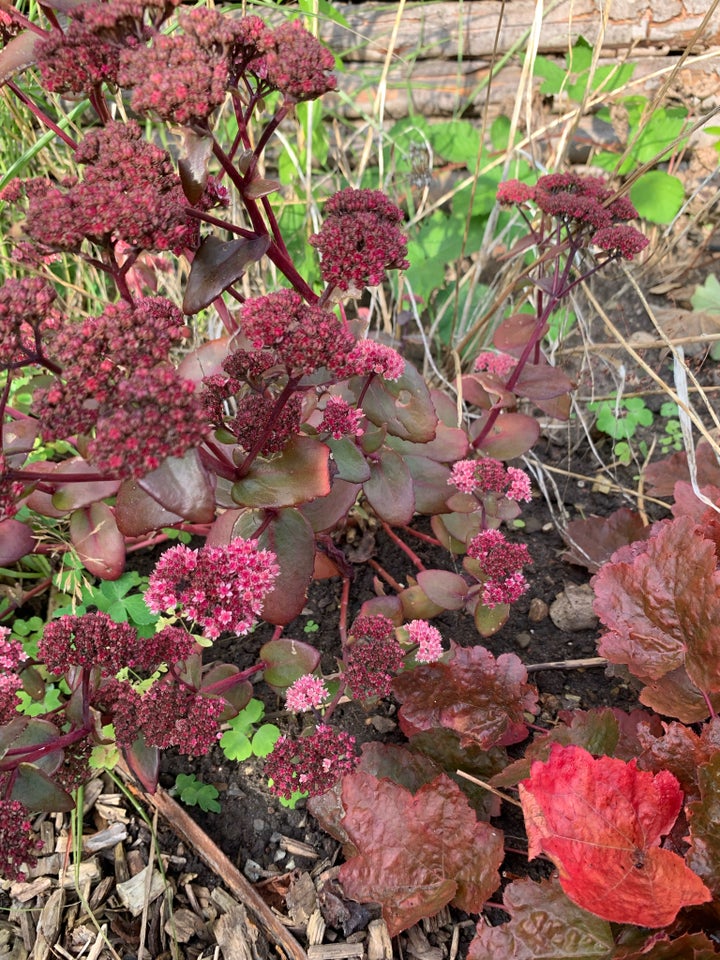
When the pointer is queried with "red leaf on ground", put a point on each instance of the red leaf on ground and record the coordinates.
(543, 923)
(416, 853)
(594, 540)
(481, 698)
(662, 606)
(600, 822)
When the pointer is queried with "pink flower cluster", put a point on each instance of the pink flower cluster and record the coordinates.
(340, 419)
(372, 658)
(17, 840)
(220, 588)
(499, 364)
(583, 201)
(371, 357)
(428, 639)
(306, 693)
(11, 651)
(360, 239)
(311, 764)
(488, 475)
(501, 563)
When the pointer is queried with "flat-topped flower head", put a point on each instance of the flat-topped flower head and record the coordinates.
(26, 312)
(220, 588)
(621, 241)
(372, 658)
(173, 714)
(90, 640)
(488, 475)
(340, 419)
(307, 692)
(312, 764)
(297, 64)
(428, 639)
(501, 563)
(370, 357)
(360, 240)
(499, 364)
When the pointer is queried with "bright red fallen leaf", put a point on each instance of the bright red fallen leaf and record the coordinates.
(600, 821)
(416, 853)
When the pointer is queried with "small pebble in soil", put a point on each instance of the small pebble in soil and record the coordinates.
(523, 640)
(538, 610)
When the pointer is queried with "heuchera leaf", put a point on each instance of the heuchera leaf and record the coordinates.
(662, 607)
(600, 821)
(690, 946)
(416, 853)
(594, 540)
(704, 815)
(661, 476)
(543, 923)
(481, 698)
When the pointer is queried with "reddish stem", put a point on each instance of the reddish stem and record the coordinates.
(425, 537)
(403, 546)
(382, 572)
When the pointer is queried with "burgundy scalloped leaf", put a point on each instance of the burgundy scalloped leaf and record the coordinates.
(688, 505)
(704, 815)
(216, 265)
(38, 792)
(594, 540)
(99, 544)
(297, 475)
(18, 54)
(661, 476)
(662, 607)
(430, 484)
(416, 853)
(389, 490)
(545, 924)
(677, 749)
(596, 730)
(600, 821)
(512, 435)
(193, 163)
(445, 588)
(483, 699)
(689, 946)
(16, 541)
(182, 486)
(285, 660)
(675, 695)
(289, 535)
(404, 406)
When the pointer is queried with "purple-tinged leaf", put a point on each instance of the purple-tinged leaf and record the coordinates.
(512, 435)
(16, 541)
(97, 540)
(416, 853)
(404, 406)
(285, 660)
(442, 530)
(205, 360)
(216, 265)
(144, 763)
(430, 485)
(483, 699)
(182, 486)
(416, 605)
(514, 332)
(385, 606)
(446, 408)
(34, 788)
(450, 444)
(544, 922)
(290, 537)
(326, 513)
(349, 460)
(474, 393)
(540, 382)
(19, 437)
(389, 490)
(18, 54)
(70, 496)
(35, 733)
(193, 163)
(299, 474)
(137, 513)
(261, 187)
(447, 589)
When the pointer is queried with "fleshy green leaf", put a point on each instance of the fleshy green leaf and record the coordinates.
(390, 488)
(99, 543)
(403, 406)
(299, 474)
(286, 660)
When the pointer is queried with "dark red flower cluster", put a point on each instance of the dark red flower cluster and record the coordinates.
(26, 309)
(340, 419)
(254, 414)
(583, 201)
(75, 770)
(17, 840)
(172, 714)
(220, 588)
(372, 658)
(311, 764)
(360, 239)
(130, 192)
(303, 337)
(155, 415)
(119, 703)
(297, 64)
